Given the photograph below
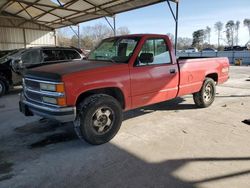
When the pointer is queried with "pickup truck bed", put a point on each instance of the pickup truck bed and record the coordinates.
(193, 72)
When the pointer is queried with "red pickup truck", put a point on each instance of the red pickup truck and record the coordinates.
(122, 73)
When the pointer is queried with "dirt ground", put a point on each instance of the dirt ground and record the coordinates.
(172, 144)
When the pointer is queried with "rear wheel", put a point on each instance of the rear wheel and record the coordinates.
(99, 119)
(205, 97)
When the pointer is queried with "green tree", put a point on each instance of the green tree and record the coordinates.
(74, 41)
(218, 26)
(92, 35)
(198, 38)
(208, 34)
(247, 24)
(230, 32)
(122, 31)
(184, 43)
(237, 27)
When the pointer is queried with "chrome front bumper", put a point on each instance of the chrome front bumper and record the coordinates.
(63, 114)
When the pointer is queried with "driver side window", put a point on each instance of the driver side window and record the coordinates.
(158, 49)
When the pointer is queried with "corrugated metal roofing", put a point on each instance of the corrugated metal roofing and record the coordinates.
(59, 13)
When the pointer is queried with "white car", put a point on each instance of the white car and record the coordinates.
(209, 50)
(191, 50)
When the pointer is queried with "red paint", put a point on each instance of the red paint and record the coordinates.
(143, 85)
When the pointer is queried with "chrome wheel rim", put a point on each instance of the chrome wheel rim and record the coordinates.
(102, 120)
(208, 93)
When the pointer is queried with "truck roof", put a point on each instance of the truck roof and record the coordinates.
(141, 35)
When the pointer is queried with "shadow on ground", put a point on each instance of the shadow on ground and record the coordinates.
(49, 126)
(41, 126)
(172, 105)
(119, 168)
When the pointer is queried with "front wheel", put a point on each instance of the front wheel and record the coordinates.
(205, 97)
(99, 119)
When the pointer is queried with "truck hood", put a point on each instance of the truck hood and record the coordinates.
(55, 72)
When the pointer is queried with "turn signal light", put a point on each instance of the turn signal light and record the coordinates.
(60, 88)
(61, 101)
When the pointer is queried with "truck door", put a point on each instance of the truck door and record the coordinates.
(154, 81)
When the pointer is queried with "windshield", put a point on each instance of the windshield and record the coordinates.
(118, 50)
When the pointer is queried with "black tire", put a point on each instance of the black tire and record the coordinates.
(205, 97)
(3, 86)
(90, 122)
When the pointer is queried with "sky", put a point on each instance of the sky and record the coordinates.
(194, 15)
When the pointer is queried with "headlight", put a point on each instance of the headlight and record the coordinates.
(47, 87)
(52, 87)
(57, 101)
(50, 100)
(53, 98)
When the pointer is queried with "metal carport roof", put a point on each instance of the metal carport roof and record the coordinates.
(60, 13)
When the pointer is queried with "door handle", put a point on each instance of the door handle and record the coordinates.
(172, 71)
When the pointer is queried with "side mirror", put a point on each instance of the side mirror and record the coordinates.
(20, 64)
(146, 58)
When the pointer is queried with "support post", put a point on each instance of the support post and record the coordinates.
(79, 41)
(114, 22)
(176, 26)
(176, 18)
(55, 37)
(24, 38)
(113, 27)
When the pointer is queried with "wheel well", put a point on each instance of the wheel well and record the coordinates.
(114, 92)
(214, 76)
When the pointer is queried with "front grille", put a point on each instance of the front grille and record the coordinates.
(32, 84)
(33, 93)
(33, 96)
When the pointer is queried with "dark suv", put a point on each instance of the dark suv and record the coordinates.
(13, 65)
